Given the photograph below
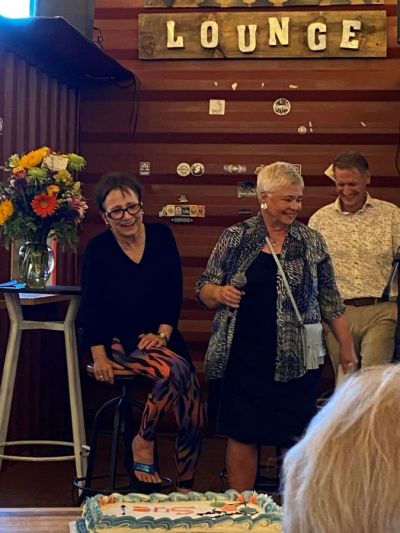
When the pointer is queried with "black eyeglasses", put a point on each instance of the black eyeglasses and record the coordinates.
(119, 212)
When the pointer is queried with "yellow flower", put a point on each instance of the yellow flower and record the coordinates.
(6, 210)
(33, 159)
(53, 189)
(76, 187)
(64, 176)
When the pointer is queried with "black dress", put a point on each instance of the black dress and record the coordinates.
(255, 408)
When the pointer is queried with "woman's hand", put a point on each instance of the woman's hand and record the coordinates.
(341, 330)
(151, 340)
(347, 359)
(104, 369)
(230, 296)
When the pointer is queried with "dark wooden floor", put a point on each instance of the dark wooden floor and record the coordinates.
(50, 484)
(27, 484)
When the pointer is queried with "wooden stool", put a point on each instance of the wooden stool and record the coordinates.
(122, 405)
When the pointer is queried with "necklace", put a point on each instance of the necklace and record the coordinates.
(276, 245)
(275, 242)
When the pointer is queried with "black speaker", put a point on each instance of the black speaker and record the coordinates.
(79, 13)
(398, 21)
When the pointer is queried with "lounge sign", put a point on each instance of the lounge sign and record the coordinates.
(254, 4)
(348, 34)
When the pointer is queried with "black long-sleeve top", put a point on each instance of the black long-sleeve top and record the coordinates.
(121, 298)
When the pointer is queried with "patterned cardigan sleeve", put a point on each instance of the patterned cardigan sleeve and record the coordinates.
(219, 266)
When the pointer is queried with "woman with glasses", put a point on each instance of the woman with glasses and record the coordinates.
(132, 296)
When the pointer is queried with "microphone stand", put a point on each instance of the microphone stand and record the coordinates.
(385, 297)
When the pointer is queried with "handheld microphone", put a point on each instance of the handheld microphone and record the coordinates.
(238, 281)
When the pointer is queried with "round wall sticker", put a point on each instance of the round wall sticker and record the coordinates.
(183, 169)
(281, 106)
(197, 169)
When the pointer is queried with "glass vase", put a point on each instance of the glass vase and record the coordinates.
(36, 262)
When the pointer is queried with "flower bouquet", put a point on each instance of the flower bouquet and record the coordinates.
(40, 199)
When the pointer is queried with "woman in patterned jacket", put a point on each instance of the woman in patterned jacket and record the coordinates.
(268, 394)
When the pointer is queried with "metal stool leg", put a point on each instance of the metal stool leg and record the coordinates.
(93, 442)
(122, 411)
(10, 367)
(114, 444)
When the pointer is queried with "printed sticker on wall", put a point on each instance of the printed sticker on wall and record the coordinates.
(144, 168)
(330, 172)
(216, 107)
(183, 198)
(281, 106)
(235, 169)
(183, 169)
(187, 210)
(297, 166)
(197, 169)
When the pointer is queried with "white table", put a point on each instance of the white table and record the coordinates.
(14, 297)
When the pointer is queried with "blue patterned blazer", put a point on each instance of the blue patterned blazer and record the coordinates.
(308, 268)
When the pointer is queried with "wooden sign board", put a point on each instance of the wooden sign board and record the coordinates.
(169, 4)
(258, 35)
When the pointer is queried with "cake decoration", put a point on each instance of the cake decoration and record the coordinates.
(195, 511)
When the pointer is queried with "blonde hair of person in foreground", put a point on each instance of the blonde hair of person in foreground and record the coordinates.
(344, 475)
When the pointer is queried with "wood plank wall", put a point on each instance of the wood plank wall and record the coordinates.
(37, 111)
(342, 104)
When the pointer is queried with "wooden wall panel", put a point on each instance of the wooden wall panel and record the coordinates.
(342, 104)
(37, 111)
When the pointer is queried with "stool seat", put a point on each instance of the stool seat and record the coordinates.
(118, 373)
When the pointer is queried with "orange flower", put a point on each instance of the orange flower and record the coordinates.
(6, 210)
(33, 159)
(44, 204)
(19, 171)
(53, 189)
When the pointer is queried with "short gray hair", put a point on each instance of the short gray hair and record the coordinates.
(346, 460)
(276, 175)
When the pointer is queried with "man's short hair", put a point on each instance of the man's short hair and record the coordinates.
(351, 159)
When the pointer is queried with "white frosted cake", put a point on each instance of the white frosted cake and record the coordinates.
(215, 512)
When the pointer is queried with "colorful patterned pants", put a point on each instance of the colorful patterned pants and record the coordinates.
(176, 386)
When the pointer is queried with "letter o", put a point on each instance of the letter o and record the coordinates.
(209, 27)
